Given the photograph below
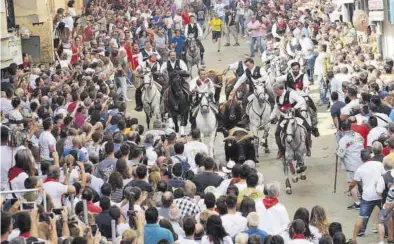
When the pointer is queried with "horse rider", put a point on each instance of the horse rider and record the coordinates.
(253, 75)
(297, 81)
(145, 53)
(280, 28)
(194, 29)
(153, 65)
(288, 99)
(173, 64)
(292, 46)
(200, 85)
(237, 67)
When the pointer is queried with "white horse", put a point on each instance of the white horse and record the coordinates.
(259, 110)
(151, 97)
(294, 139)
(192, 54)
(206, 120)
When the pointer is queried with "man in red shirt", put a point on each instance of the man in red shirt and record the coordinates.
(362, 129)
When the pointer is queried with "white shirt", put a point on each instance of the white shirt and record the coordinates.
(7, 161)
(141, 58)
(274, 29)
(151, 156)
(200, 32)
(187, 241)
(191, 149)
(55, 190)
(353, 104)
(307, 46)
(18, 183)
(226, 240)
(234, 223)
(320, 63)
(5, 105)
(219, 8)
(369, 174)
(336, 86)
(273, 220)
(293, 97)
(47, 141)
(182, 65)
(374, 134)
(243, 78)
(207, 86)
(305, 80)
(234, 66)
(241, 186)
(383, 119)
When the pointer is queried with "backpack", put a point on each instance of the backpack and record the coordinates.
(17, 137)
(184, 163)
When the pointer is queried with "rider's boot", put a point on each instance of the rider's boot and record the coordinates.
(202, 58)
(288, 187)
(308, 144)
(279, 143)
(138, 99)
(193, 122)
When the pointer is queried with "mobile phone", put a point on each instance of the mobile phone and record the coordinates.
(94, 229)
(28, 205)
(57, 211)
(45, 217)
(38, 242)
(13, 201)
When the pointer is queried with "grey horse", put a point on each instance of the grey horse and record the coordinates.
(193, 56)
(293, 139)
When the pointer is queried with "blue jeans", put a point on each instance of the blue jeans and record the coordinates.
(169, 35)
(241, 25)
(310, 66)
(322, 88)
(366, 208)
(252, 42)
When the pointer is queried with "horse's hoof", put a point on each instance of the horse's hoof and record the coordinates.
(303, 177)
(267, 150)
(289, 191)
(301, 169)
(294, 180)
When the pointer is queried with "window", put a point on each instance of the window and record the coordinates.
(390, 11)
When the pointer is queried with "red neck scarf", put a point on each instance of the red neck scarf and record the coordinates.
(200, 82)
(270, 201)
(51, 180)
(282, 25)
(25, 235)
(13, 173)
(298, 236)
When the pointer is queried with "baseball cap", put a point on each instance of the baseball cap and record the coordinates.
(227, 169)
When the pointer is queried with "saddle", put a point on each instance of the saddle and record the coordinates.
(238, 134)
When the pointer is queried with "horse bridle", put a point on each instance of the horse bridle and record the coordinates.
(205, 105)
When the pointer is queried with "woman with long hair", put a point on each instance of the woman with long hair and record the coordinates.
(116, 182)
(24, 167)
(311, 233)
(123, 169)
(164, 223)
(319, 220)
(215, 232)
(247, 206)
(132, 196)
